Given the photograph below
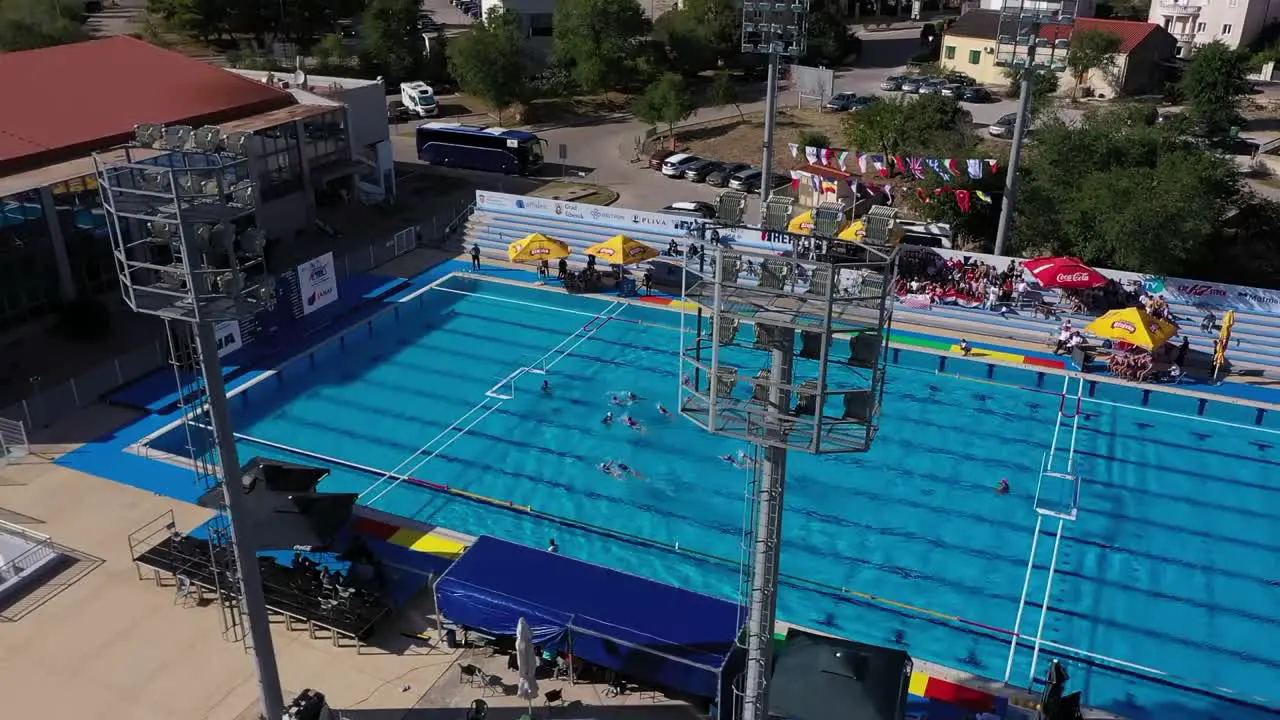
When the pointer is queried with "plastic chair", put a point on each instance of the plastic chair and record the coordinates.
(469, 674)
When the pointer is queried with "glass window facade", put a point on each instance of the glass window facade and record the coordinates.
(325, 139)
(84, 231)
(280, 170)
(28, 273)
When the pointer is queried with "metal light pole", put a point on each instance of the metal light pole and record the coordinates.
(800, 395)
(180, 205)
(770, 111)
(1020, 44)
(774, 30)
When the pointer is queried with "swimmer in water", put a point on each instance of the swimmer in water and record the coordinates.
(687, 381)
(743, 459)
(607, 419)
(616, 400)
(1003, 487)
(546, 386)
(632, 423)
(606, 467)
(663, 411)
(632, 397)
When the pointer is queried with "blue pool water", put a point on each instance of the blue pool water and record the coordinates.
(1173, 564)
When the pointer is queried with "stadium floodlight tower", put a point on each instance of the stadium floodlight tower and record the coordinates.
(787, 351)
(776, 30)
(180, 208)
(1033, 36)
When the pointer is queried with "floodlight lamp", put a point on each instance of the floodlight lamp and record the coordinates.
(252, 242)
(147, 134)
(207, 138)
(236, 143)
(230, 283)
(160, 229)
(176, 137)
(242, 196)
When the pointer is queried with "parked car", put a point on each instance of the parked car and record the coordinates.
(932, 86)
(912, 84)
(658, 157)
(778, 180)
(720, 178)
(1003, 128)
(699, 209)
(862, 101)
(951, 90)
(674, 166)
(976, 95)
(959, 78)
(743, 179)
(699, 171)
(397, 112)
(893, 83)
(841, 102)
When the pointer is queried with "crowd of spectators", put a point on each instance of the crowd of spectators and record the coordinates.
(969, 279)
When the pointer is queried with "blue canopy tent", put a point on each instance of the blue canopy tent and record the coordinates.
(657, 634)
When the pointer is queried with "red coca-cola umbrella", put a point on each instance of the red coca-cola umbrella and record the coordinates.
(1065, 272)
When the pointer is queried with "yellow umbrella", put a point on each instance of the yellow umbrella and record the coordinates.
(1224, 337)
(1134, 326)
(622, 250)
(853, 232)
(801, 224)
(535, 248)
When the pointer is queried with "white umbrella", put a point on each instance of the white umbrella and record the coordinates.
(528, 663)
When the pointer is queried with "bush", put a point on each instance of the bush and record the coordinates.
(811, 138)
(83, 320)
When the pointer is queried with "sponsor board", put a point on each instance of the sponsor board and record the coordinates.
(620, 218)
(317, 283)
(228, 337)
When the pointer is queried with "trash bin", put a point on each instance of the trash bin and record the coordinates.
(451, 638)
(627, 287)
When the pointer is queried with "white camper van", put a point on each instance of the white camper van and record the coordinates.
(419, 99)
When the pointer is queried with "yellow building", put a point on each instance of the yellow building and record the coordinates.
(969, 46)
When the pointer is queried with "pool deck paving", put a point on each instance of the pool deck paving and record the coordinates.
(110, 645)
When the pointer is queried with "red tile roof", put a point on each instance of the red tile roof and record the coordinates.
(68, 100)
(1130, 32)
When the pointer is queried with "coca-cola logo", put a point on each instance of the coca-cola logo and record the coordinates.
(1124, 325)
(1198, 290)
(1073, 277)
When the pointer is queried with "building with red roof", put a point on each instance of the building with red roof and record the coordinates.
(65, 103)
(970, 46)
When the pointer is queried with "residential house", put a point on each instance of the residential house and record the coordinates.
(1199, 22)
(969, 46)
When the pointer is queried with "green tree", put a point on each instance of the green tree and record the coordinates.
(330, 50)
(489, 60)
(31, 24)
(665, 102)
(597, 40)
(390, 42)
(1043, 86)
(1213, 83)
(724, 92)
(1122, 193)
(1091, 50)
(929, 126)
(684, 43)
(828, 40)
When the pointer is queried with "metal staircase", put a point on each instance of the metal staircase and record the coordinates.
(184, 355)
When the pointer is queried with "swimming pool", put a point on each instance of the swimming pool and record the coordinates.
(1172, 564)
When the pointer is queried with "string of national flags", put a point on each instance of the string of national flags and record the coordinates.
(948, 169)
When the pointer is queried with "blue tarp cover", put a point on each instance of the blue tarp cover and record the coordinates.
(650, 631)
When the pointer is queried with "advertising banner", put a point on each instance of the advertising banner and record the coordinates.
(620, 219)
(229, 337)
(317, 283)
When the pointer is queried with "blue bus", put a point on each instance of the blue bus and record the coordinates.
(472, 147)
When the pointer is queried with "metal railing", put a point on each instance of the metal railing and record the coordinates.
(42, 548)
(45, 407)
(13, 439)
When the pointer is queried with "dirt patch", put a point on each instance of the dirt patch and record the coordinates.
(738, 139)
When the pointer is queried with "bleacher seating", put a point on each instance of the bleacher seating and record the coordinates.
(1255, 338)
(302, 593)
